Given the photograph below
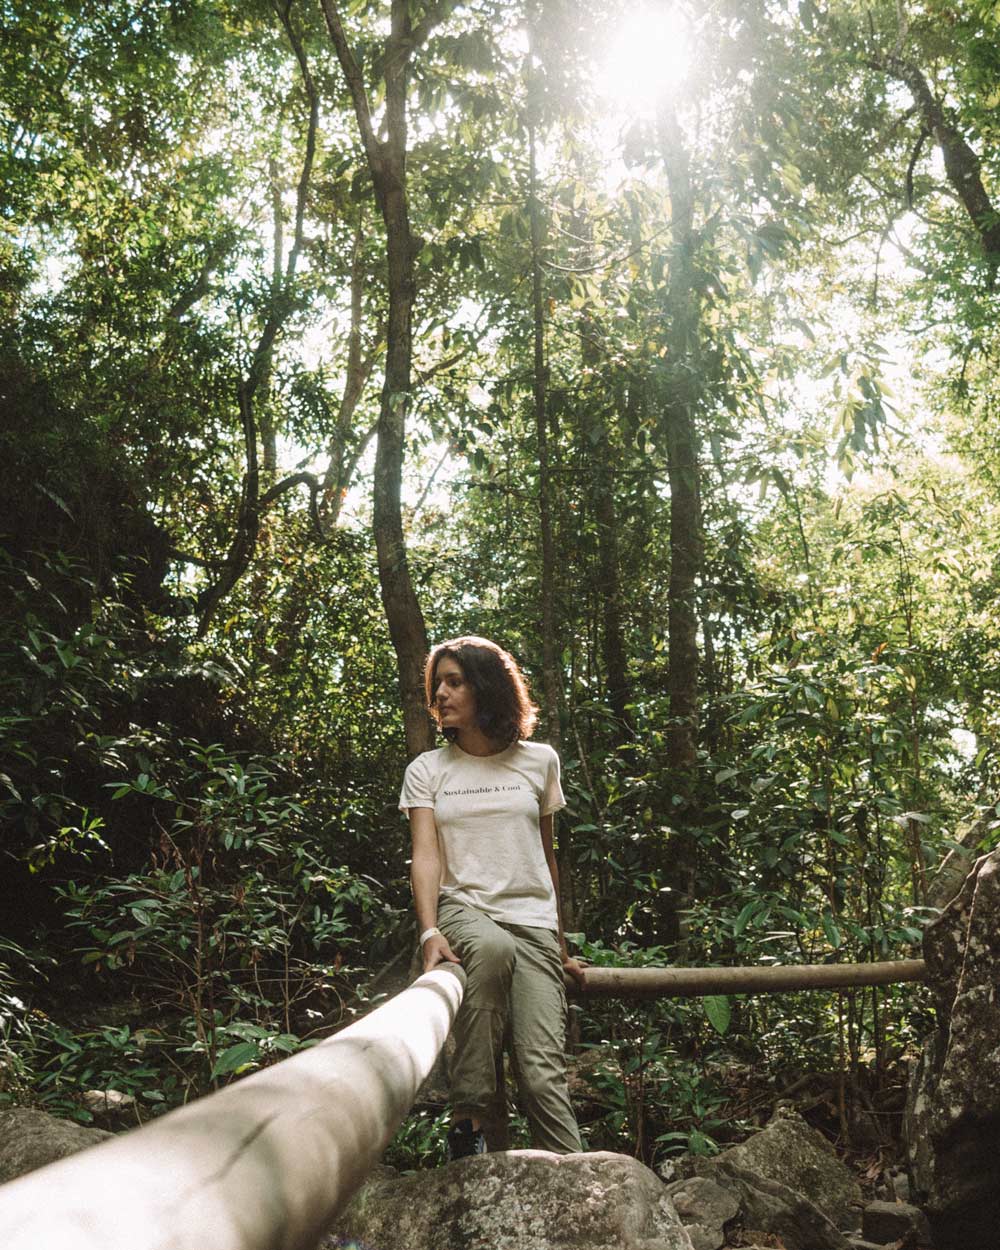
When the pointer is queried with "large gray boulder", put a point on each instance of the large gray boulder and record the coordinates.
(786, 1182)
(796, 1155)
(952, 1124)
(517, 1200)
(30, 1139)
(706, 1209)
(764, 1207)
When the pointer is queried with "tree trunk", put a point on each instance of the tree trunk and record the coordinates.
(962, 165)
(617, 685)
(551, 683)
(252, 502)
(601, 454)
(344, 449)
(681, 438)
(686, 548)
(402, 610)
(550, 674)
(387, 166)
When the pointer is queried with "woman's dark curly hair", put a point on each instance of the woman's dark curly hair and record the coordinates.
(504, 710)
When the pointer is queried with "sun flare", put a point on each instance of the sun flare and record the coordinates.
(647, 59)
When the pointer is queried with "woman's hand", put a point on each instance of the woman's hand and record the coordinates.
(575, 969)
(436, 951)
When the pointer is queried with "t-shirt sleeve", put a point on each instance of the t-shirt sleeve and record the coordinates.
(552, 796)
(417, 790)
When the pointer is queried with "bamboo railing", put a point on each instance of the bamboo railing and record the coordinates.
(265, 1164)
(766, 979)
(269, 1162)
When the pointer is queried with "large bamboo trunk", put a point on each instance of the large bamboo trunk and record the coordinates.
(265, 1164)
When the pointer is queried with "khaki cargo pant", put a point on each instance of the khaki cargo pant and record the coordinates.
(514, 991)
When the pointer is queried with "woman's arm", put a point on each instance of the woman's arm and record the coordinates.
(425, 880)
(570, 965)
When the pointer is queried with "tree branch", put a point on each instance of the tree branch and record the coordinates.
(201, 285)
(340, 466)
(185, 557)
(355, 83)
(924, 135)
(289, 483)
(435, 15)
(244, 542)
(962, 165)
(312, 95)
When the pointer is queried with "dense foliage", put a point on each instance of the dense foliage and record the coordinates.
(700, 424)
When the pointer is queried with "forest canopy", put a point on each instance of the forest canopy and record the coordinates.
(656, 341)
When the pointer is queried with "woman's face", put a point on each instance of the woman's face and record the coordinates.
(454, 698)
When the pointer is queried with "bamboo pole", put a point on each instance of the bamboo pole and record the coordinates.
(695, 982)
(265, 1164)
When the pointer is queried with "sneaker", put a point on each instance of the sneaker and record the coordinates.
(464, 1140)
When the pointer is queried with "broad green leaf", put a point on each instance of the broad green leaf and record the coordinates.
(236, 1058)
(743, 919)
(718, 1011)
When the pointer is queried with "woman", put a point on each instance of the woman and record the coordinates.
(486, 890)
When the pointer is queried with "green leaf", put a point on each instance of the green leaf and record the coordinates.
(288, 1043)
(700, 1144)
(831, 931)
(236, 1058)
(718, 1011)
(743, 919)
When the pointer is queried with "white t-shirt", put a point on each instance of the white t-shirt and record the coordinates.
(487, 810)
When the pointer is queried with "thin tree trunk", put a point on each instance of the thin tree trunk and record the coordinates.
(387, 166)
(550, 674)
(551, 684)
(602, 464)
(343, 457)
(619, 690)
(681, 437)
(252, 502)
(686, 547)
(962, 164)
(405, 619)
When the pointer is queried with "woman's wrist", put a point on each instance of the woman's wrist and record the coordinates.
(431, 931)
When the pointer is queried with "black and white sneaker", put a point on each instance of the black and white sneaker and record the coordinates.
(464, 1140)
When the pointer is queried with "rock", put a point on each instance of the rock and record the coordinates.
(109, 1106)
(705, 1208)
(897, 1222)
(518, 1200)
(791, 1152)
(30, 1139)
(952, 1123)
(769, 1209)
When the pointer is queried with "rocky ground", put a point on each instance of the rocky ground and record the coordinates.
(784, 1188)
